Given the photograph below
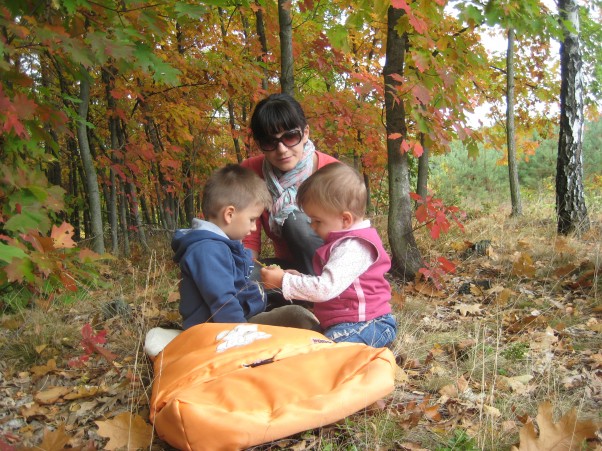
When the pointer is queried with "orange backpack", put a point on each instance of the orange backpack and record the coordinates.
(232, 386)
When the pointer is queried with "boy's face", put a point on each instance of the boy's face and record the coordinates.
(242, 222)
(323, 222)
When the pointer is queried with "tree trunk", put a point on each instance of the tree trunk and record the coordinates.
(137, 217)
(98, 244)
(231, 116)
(287, 77)
(570, 200)
(517, 207)
(406, 256)
(108, 77)
(260, 27)
(423, 169)
(123, 215)
(74, 217)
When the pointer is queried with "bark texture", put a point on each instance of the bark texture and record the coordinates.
(287, 78)
(406, 256)
(97, 238)
(570, 200)
(517, 206)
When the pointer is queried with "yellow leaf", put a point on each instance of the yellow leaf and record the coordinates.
(51, 395)
(523, 266)
(126, 430)
(502, 297)
(567, 434)
(44, 369)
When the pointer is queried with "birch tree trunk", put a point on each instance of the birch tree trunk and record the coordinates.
(517, 207)
(570, 200)
(95, 211)
(287, 77)
(406, 256)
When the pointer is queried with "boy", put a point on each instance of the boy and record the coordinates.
(350, 293)
(215, 266)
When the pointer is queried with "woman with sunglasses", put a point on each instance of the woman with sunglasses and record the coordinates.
(287, 158)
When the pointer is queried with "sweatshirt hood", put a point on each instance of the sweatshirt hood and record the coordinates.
(200, 230)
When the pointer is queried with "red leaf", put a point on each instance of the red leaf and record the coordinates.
(401, 4)
(394, 136)
(421, 214)
(405, 146)
(446, 265)
(435, 230)
(418, 150)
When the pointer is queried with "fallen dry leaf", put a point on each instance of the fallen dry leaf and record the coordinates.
(523, 266)
(401, 377)
(52, 441)
(44, 369)
(465, 309)
(567, 434)
(428, 290)
(51, 395)
(126, 430)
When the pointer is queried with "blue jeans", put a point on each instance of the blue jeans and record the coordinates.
(377, 332)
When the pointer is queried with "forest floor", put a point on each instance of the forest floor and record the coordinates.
(512, 336)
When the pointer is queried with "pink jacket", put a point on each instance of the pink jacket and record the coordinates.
(368, 296)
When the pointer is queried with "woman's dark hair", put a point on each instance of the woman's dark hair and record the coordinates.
(276, 113)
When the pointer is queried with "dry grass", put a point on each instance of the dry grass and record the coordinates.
(541, 337)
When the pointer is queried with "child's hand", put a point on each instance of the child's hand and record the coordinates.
(271, 276)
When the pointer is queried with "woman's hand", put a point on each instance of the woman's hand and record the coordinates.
(271, 276)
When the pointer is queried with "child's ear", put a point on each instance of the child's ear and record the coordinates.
(228, 213)
(347, 219)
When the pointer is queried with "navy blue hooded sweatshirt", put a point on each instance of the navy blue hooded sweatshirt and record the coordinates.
(215, 285)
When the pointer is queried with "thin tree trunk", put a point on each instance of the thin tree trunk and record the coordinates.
(145, 213)
(137, 216)
(260, 27)
(570, 199)
(74, 217)
(287, 76)
(123, 216)
(406, 256)
(98, 244)
(108, 78)
(517, 207)
(423, 169)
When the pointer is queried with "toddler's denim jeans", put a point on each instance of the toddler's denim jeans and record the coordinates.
(377, 332)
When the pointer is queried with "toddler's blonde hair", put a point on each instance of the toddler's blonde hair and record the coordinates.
(336, 188)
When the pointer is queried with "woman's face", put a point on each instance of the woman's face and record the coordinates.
(286, 158)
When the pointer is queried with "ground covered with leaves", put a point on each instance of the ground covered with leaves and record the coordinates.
(504, 352)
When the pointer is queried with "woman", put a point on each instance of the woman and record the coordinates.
(288, 157)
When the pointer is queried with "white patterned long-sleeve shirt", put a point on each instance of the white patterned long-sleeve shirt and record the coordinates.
(347, 261)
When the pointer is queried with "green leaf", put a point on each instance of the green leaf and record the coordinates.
(28, 220)
(191, 11)
(338, 36)
(7, 253)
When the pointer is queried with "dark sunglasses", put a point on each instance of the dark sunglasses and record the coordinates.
(289, 139)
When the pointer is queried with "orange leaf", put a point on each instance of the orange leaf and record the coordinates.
(51, 395)
(567, 433)
(54, 440)
(126, 430)
(62, 236)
